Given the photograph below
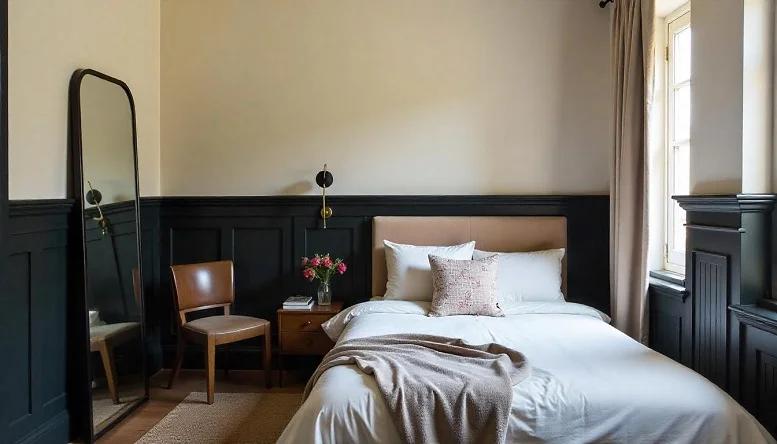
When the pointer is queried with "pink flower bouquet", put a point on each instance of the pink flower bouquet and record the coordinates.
(322, 268)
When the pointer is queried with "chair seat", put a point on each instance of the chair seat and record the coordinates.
(113, 333)
(228, 328)
(109, 330)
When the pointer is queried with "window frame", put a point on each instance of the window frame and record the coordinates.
(673, 257)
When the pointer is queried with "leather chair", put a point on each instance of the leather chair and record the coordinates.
(212, 285)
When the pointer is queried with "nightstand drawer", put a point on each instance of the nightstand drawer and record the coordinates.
(311, 343)
(303, 322)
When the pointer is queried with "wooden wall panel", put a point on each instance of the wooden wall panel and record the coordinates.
(760, 375)
(262, 260)
(727, 262)
(710, 294)
(18, 295)
(671, 329)
(267, 236)
(343, 238)
(35, 324)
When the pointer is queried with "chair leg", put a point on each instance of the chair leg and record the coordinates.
(106, 353)
(179, 352)
(267, 359)
(227, 360)
(210, 367)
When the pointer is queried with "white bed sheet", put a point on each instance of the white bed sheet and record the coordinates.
(589, 382)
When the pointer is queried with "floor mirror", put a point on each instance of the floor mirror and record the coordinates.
(105, 185)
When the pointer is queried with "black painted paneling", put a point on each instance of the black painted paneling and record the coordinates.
(255, 284)
(42, 350)
(343, 238)
(17, 295)
(735, 230)
(760, 375)
(671, 330)
(710, 295)
(151, 257)
(267, 236)
(34, 319)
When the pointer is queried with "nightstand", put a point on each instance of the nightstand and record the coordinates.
(300, 333)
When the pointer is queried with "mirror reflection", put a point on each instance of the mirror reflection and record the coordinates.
(111, 246)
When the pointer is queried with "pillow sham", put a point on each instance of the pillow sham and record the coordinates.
(529, 276)
(408, 270)
(464, 287)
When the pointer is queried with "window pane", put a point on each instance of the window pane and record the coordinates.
(682, 168)
(679, 229)
(681, 186)
(682, 113)
(682, 55)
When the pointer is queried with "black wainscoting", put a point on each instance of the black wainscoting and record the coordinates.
(43, 355)
(266, 237)
(671, 329)
(727, 263)
(759, 372)
(35, 323)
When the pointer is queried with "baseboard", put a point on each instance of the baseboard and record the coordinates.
(55, 430)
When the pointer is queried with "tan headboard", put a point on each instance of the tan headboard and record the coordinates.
(491, 233)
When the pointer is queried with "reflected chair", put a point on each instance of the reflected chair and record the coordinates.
(103, 338)
(205, 286)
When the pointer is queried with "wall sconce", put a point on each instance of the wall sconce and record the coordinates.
(324, 179)
(93, 197)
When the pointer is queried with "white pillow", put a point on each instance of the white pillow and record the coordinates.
(530, 276)
(408, 270)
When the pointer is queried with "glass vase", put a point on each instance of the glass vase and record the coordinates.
(324, 294)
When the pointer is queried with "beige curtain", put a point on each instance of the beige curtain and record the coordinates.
(632, 76)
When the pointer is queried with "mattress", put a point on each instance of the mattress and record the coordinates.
(589, 382)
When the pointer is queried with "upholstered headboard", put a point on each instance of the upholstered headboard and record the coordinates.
(491, 233)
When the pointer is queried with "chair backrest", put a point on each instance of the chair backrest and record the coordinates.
(201, 286)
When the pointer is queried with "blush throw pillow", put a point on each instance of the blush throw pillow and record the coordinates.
(408, 271)
(463, 287)
(530, 276)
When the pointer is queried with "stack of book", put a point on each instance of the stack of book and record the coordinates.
(298, 303)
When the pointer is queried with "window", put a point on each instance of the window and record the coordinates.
(678, 134)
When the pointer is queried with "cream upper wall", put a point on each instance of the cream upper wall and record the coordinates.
(48, 40)
(432, 97)
(716, 97)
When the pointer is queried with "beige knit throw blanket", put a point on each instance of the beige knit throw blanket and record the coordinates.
(439, 390)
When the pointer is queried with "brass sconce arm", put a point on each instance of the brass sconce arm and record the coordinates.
(94, 197)
(324, 179)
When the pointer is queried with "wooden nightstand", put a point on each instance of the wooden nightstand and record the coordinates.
(300, 333)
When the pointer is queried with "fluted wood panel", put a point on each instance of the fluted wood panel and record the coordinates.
(710, 295)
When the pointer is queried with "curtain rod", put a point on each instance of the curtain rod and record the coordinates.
(603, 3)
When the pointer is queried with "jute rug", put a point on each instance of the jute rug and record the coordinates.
(234, 418)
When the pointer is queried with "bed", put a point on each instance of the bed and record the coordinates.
(589, 382)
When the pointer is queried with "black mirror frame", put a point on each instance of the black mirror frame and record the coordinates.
(79, 368)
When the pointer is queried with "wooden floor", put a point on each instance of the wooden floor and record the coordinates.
(162, 401)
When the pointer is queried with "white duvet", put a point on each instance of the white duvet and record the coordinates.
(589, 382)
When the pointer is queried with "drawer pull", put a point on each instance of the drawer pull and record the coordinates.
(307, 323)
